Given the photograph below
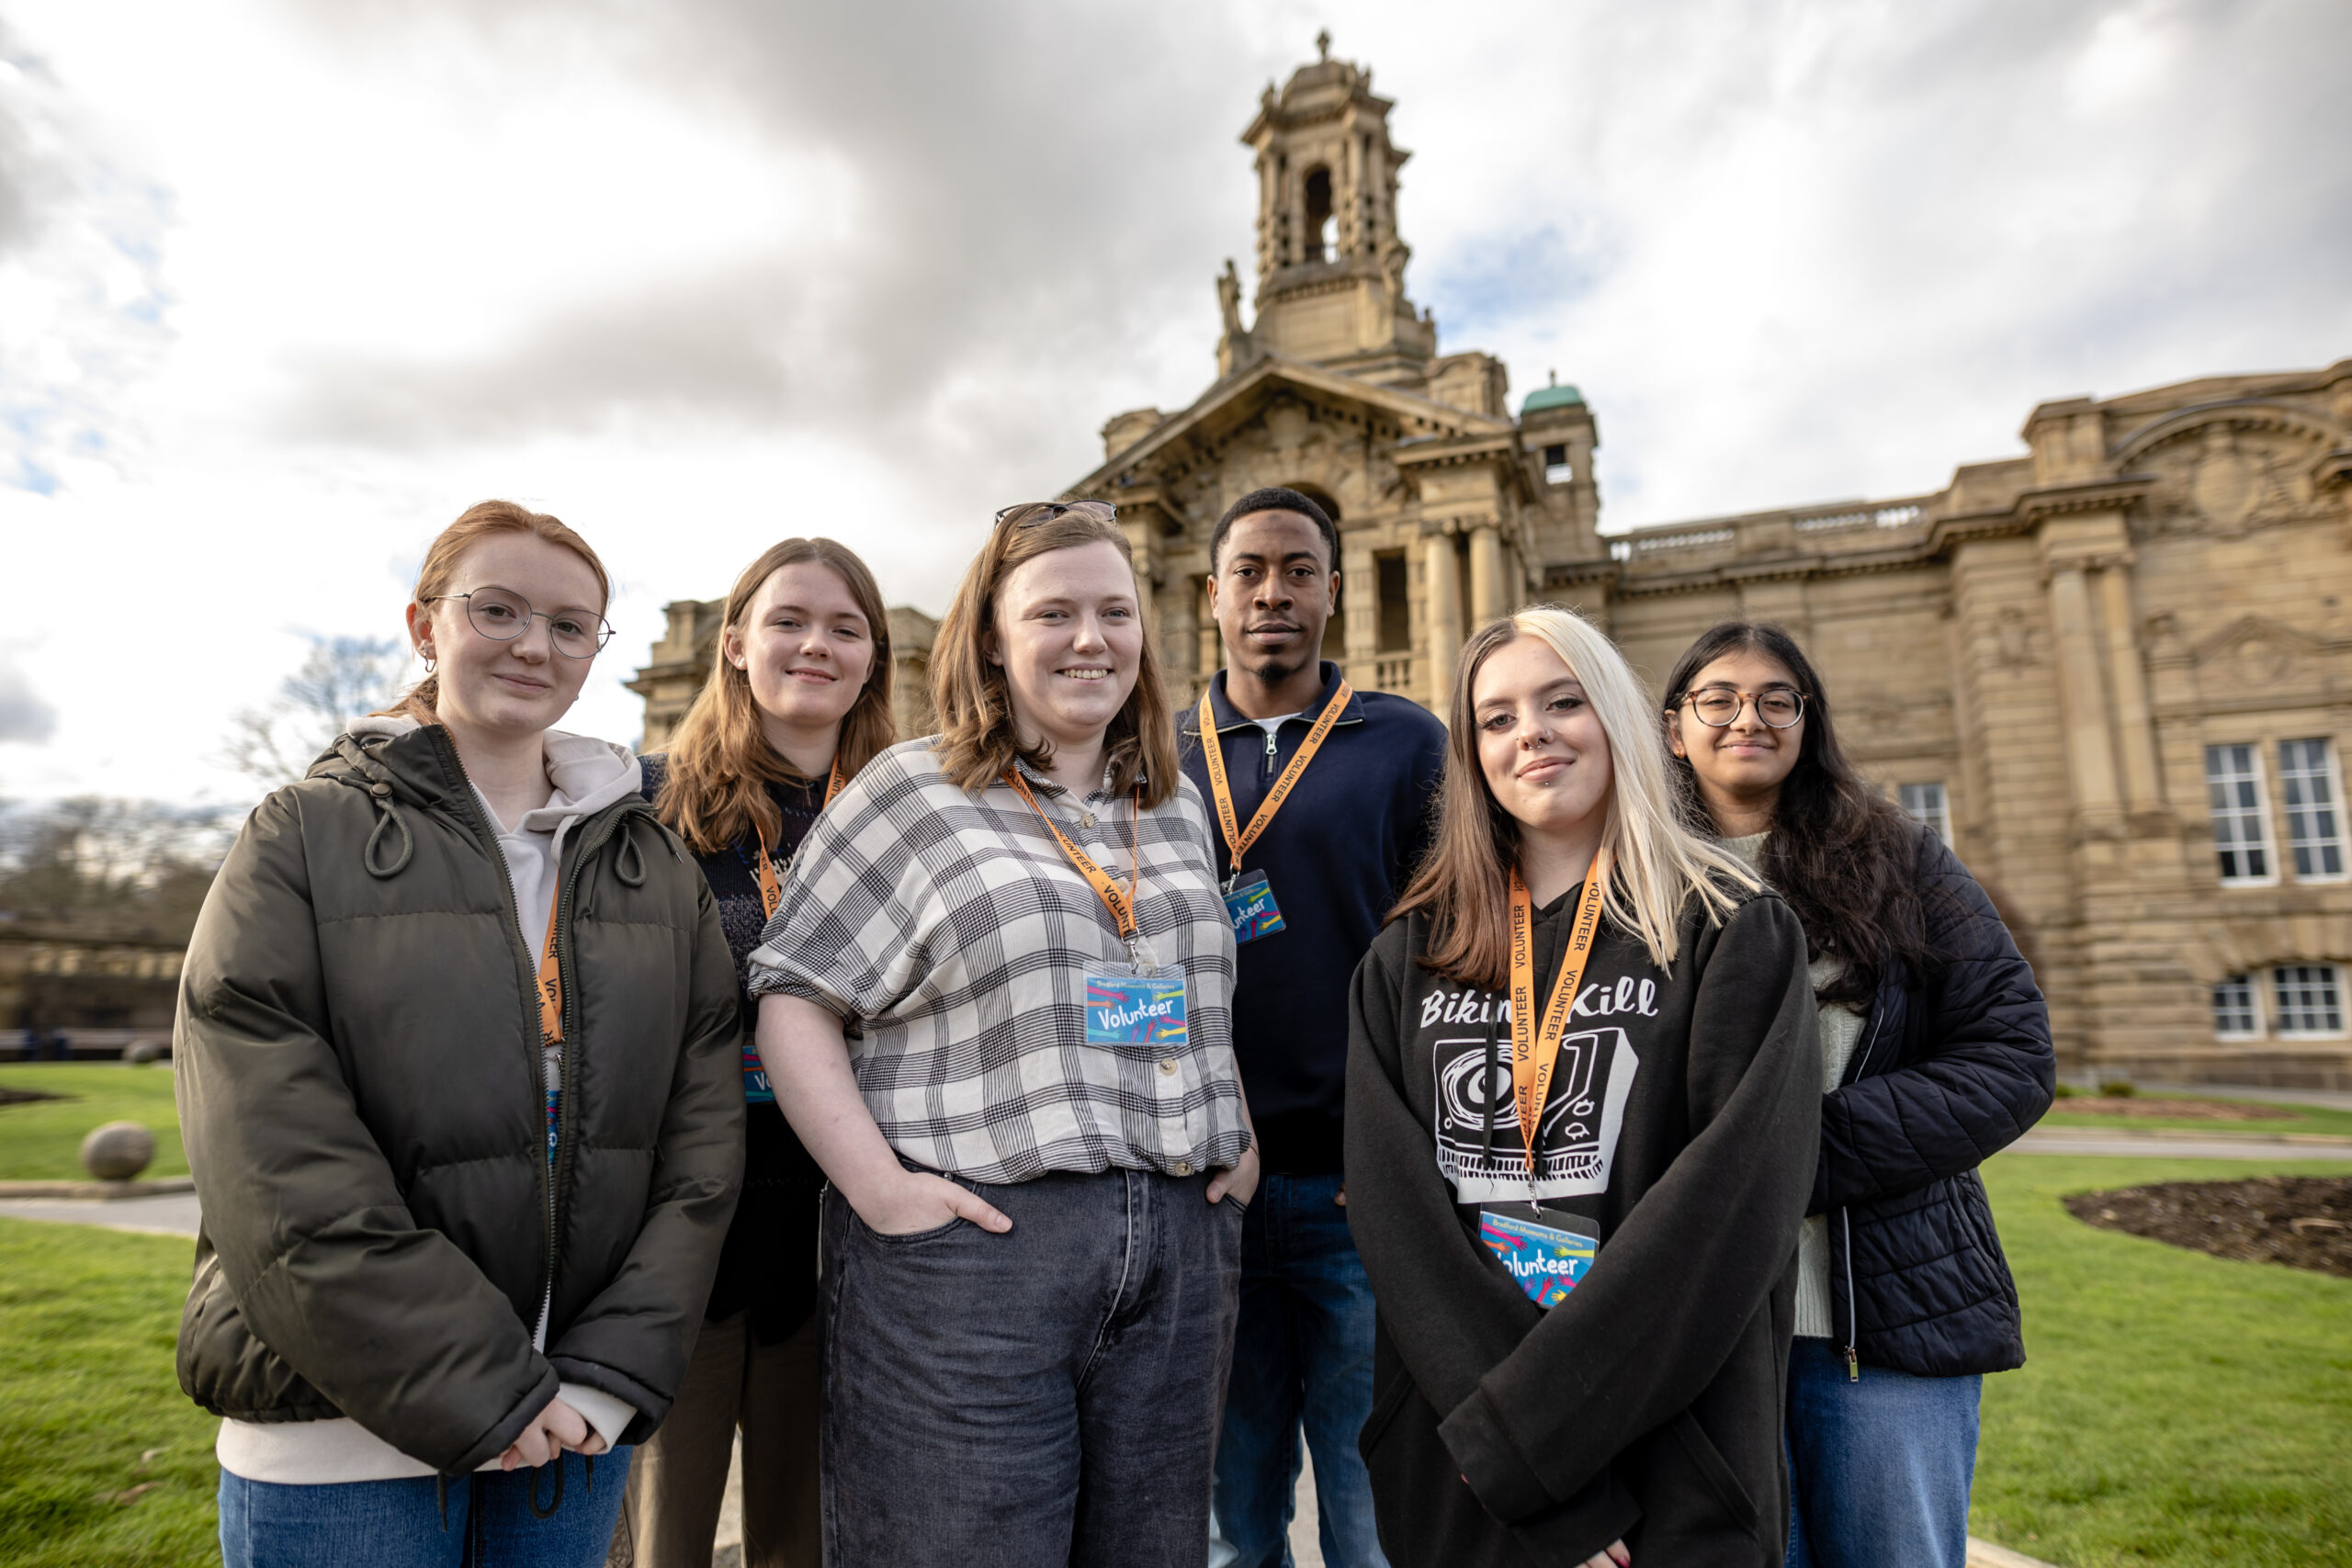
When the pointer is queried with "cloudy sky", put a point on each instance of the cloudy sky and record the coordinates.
(284, 286)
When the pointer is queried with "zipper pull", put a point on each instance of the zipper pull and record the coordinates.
(1853, 1366)
(1270, 754)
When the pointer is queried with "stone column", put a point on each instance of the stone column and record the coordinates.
(2090, 761)
(1442, 612)
(1488, 594)
(2142, 782)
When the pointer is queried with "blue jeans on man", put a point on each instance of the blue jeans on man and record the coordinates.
(1302, 1361)
(1879, 1469)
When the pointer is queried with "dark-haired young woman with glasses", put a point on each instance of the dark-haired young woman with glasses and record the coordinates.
(1934, 1054)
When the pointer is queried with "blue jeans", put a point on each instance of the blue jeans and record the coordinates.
(1879, 1470)
(1302, 1357)
(398, 1524)
(1045, 1398)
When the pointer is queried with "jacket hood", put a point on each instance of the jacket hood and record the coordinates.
(396, 759)
(586, 775)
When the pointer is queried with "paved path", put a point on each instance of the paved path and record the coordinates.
(2332, 1099)
(2219, 1145)
(173, 1214)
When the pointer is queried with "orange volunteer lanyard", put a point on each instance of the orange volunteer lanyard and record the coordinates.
(1237, 838)
(1121, 905)
(551, 977)
(1535, 1050)
(772, 890)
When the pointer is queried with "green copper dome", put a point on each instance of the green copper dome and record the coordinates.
(1551, 397)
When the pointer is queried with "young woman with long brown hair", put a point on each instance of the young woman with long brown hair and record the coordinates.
(1936, 1054)
(797, 701)
(1036, 1143)
(456, 1068)
(1580, 1056)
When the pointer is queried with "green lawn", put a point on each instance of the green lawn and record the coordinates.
(2306, 1119)
(39, 1140)
(87, 1319)
(2174, 1407)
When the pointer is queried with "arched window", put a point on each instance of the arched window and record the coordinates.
(1318, 214)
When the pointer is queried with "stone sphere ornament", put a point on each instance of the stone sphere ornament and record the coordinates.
(117, 1151)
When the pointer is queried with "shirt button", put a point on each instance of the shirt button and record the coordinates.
(1183, 1167)
(1168, 1065)
(1086, 819)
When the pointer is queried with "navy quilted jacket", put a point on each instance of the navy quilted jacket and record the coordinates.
(1952, 1067)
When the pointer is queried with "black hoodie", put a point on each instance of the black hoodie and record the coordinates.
(1681, 1129)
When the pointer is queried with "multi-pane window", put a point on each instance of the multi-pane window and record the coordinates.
(1926, 803)
(2306, 998)
(2308, 785)
(2234, 1017)
(2241, 828)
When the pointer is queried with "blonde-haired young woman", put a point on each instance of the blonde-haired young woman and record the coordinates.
(797, 702)
(1036, 1143)
(456, 1058)
(1582, 1327)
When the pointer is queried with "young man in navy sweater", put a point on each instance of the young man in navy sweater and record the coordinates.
(1350, 778)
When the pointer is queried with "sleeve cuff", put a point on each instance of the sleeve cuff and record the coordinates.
(1505, 1484)
(609, 1416)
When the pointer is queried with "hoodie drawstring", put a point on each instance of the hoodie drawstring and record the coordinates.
(628, 864)
(377, 784)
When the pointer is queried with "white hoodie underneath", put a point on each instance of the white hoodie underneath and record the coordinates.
(584, 775)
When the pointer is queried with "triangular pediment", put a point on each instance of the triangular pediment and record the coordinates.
(2253, 630)
(1248, 395)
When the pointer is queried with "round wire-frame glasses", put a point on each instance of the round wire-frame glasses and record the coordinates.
(503, 616)
(1777, 707)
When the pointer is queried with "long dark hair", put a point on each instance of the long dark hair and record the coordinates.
(1845, 857)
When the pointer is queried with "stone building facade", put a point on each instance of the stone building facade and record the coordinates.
(2113, 671)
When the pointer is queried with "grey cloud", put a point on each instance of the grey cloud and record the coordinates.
(1032, 183)
(24, 717)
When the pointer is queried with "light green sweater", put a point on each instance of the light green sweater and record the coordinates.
(1841, 1027)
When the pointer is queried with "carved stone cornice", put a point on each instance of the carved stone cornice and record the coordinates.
(2119, 494)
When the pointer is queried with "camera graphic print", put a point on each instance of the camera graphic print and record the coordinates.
(1582, 1117)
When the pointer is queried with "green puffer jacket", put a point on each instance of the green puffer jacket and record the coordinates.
(361, 1094)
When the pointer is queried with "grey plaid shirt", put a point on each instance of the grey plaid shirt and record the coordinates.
(952, 933)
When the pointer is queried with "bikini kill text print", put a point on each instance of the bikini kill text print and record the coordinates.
(1582, 1115)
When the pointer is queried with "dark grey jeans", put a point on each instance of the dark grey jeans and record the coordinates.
(1041, 1398)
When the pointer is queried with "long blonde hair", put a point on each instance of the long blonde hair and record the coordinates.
(977, 739)
(1656, 864)
(480, 521)
(719, 760)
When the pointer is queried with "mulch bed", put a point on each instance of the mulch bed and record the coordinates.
(2304, 1222)
(2173, 1109)
(24, 1095)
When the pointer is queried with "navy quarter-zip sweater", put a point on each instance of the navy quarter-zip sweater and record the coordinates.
(1338, 854)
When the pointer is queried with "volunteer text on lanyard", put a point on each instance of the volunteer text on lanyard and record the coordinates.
(1250, 901)
(757, 1091)
(1546, 1260)
(1143, 1005)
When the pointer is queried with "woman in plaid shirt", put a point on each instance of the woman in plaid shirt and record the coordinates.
(996, 1010)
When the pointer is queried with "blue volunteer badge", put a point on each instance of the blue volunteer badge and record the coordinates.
(1250, 905)
(1546, 1260)
(757, 1091)
(1136, 1010)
